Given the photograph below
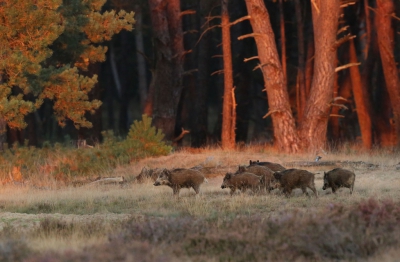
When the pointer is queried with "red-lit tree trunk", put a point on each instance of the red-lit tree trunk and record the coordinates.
(383, 24)
(168, 73)
(360, 97)
(313, 128)
(285, 134)
(283, 38)
(228, 107)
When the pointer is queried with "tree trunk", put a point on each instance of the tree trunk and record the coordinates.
(309, 71)
(285, 134)
(301, 82)
(383, 24)
(283, 39)
(364, 118)
(316, 115)
(167, 77)
(200, 112)
(141, 63)
(228, 107)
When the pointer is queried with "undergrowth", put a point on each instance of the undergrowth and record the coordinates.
(63, 162)
(335, 233)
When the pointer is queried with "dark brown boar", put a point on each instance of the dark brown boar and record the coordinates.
(242, 181)
(339, 177)
(181, 178)
(273, 166)
(148, 174)
(290, 179)
(264, 172)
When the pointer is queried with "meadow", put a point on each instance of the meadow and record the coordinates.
(48, 219)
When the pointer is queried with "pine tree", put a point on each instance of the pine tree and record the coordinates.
(44, 46)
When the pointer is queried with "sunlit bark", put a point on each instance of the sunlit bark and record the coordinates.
(316, 115)
(228, 107)
(383, 23)
(285, 134)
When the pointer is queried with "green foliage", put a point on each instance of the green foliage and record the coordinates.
(145, 137)
(66, 161)
(44, 46)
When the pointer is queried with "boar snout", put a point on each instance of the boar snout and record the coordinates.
(223, 186)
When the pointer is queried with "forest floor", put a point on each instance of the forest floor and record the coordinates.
(74, 220)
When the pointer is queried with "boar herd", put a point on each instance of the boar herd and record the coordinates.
(257, 176)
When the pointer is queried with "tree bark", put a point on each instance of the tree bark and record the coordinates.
(228, 107)
(141, 63)
(168, 73)
(313, 129)
(364, 118)
(301, 82)
(283, 39)
(285, 134)
(199, 118)
(383, 24)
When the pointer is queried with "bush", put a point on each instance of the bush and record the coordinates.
(63, 161)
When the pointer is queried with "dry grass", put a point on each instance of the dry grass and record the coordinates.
(140, 220)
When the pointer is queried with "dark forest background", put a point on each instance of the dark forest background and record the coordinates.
(126, 75)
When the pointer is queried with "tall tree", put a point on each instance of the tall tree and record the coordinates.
(168, 72)
(285, 134)
(44, 46)
(228, 108)
(383, 24)
(316, 115)
(360, 97)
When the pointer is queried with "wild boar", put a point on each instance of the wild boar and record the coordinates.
(242, 181)
(148, 173)
(339, 177)
(264, 172)
(290, 179)
(181, 178)
(273, 166)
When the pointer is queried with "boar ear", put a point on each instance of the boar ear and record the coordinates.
(325, 174)
(241, 168)
(167, 172)
(251, 162)
(228, 175)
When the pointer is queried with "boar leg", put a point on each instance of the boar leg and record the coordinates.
(196, 189)
(287, 191)
(333, 188)
(176, 190)
(233, 190)
(351, 189)
(314, 190)
(304, 189)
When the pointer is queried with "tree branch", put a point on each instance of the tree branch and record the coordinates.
(342, 40)
(183, 133)
(335, 115)
(249, 35)
(217, 72)
(250, 58)
(337, 69)
(315, 6)
(240, 20)
(187, 12)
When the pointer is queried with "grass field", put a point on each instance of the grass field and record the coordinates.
(140, 222)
